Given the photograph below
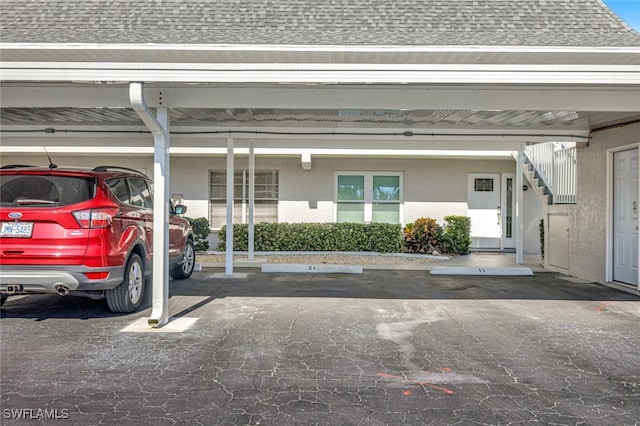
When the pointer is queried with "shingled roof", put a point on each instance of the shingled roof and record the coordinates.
(317, 22)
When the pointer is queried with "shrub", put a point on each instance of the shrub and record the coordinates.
(375, 237)
(457, 235)
(201, 231)
(423, 236)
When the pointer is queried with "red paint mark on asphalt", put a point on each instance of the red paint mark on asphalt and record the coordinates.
(390, 376)
(420, 384)
(604, 306)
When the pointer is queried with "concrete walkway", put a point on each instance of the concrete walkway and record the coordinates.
(494, 260)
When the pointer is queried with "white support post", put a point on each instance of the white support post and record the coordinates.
(159, 126)
(520, 207)
(160, 298)
(252, 190)
(230, 181)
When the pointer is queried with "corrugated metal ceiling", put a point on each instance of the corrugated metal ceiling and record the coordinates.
(343, 118)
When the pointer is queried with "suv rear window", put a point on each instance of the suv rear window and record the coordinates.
(44, 191)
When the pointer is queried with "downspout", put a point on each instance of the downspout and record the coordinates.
(159, 127)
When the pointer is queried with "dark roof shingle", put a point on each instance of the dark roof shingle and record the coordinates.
(313, 22)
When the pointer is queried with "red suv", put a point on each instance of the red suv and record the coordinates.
(84, 232)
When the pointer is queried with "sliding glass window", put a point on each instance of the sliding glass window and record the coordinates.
(368, 197)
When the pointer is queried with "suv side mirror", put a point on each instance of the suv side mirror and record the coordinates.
(180, 209)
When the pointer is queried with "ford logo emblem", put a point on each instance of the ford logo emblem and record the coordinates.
(15, 215)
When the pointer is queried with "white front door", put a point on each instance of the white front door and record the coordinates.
(625, 216)
(484, 209)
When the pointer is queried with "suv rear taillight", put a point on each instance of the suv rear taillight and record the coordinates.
(95, 218)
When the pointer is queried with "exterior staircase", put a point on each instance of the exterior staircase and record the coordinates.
(550, 168)
(537, 183)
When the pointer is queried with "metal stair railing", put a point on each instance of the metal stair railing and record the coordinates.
(555, 168)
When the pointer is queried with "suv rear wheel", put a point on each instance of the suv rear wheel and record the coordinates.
(128, 295)
(185, 270)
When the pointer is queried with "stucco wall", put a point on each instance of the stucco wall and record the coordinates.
(442, 182)
(588, 221)
(308, 196)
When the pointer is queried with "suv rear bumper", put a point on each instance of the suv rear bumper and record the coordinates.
(34, 279)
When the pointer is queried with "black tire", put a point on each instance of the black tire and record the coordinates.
(127, 297)
(185, 270)
(3, 298)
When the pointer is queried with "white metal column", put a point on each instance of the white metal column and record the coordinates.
(230, 182)
(252, 191)
(159, 126)
(519, 207)
(161, 194)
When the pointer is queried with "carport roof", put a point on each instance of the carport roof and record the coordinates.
(587, 23)
(561, 65)
(353, 118)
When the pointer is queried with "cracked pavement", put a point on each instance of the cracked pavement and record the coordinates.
(384, 347)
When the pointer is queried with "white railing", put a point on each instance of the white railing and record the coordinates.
(556, 166)
(564, 176)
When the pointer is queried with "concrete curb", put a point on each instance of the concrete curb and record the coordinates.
(414, 267)
(258, 264)
(311, 268)
(475, 270)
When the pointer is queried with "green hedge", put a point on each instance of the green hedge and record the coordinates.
(375, 237)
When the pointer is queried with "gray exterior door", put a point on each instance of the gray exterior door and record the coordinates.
(559, 240)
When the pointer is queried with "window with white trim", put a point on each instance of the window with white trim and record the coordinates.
(368, 197)
(265, 197)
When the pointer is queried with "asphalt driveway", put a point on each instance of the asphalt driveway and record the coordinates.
(384, 347)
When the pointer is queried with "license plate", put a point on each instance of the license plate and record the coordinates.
(15, 289)
(16, 229)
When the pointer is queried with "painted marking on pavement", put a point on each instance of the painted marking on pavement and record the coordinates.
(604, 306)
(419, 383)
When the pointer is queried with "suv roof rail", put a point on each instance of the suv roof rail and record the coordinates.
(16, 166)
(106, 168)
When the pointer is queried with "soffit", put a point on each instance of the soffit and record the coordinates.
(242, 118)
